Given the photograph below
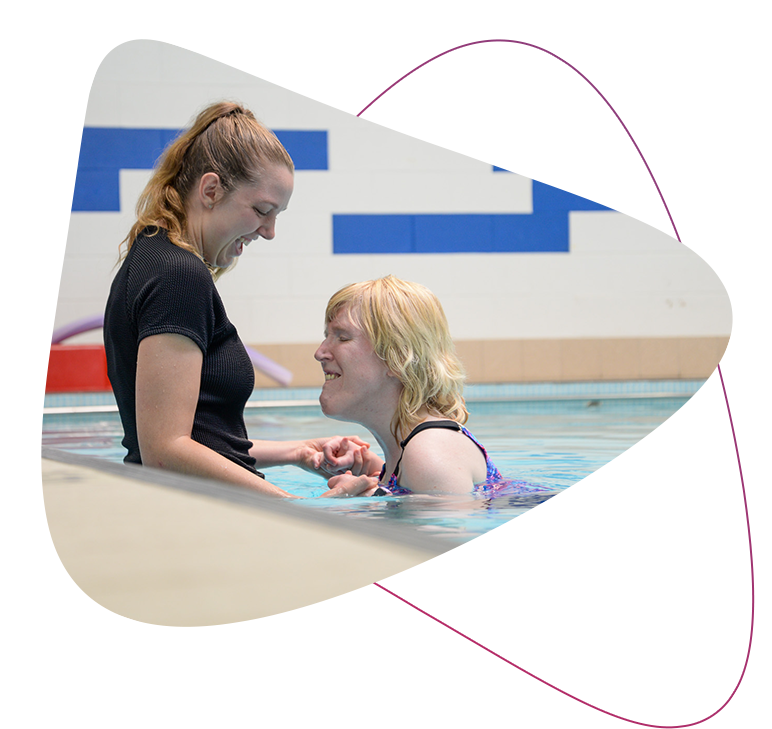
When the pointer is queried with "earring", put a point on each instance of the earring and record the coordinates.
(210, 206)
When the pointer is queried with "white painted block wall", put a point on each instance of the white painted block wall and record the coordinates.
(621, 278)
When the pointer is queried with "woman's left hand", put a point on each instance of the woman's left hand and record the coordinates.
(349, 485)
(343, 454)
(315, 453)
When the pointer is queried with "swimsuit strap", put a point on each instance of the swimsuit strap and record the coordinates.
(449, 424)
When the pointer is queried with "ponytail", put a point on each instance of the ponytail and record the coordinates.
(226, 139)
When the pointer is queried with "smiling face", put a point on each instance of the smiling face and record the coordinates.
(229, 222)
(358, 386)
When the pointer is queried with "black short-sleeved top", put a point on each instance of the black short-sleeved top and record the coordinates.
(164, 289)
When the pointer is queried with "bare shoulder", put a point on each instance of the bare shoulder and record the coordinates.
(441, 460)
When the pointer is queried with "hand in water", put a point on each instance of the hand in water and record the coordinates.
(349, 485)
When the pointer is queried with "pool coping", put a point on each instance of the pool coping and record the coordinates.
(691, 610)
(104, 402)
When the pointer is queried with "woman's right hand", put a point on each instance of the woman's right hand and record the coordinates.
(347, 484)
(342, 454)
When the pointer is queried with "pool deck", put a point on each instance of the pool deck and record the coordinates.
(161, 548)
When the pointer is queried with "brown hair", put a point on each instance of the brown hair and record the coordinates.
(226, 139)
(408, 330)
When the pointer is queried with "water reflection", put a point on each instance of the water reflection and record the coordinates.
(519, 502)
(460, 518)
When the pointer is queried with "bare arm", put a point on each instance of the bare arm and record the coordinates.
(168, 381)
(306, 454)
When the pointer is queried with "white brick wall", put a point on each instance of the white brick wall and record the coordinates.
(621, 278)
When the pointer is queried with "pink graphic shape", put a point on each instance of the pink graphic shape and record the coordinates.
(394, 594)
(726, 400)
(573, 68)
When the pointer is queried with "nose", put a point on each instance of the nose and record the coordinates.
(321, 353)
(267, 230)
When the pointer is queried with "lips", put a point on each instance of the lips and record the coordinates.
(240, 244)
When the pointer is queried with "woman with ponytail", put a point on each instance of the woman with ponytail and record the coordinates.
(180, 373)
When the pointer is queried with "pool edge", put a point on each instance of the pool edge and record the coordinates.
(422, 549)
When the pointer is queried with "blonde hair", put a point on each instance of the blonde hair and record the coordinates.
(408, 330)
(226, 139)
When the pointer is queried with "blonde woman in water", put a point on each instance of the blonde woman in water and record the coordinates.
(390, 365)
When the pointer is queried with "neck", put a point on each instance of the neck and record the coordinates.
(391, 445)
(381, 430)
(192, 232)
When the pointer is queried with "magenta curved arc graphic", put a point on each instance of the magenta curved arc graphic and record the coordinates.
(562, 60)
(726, 400)
(415, 607)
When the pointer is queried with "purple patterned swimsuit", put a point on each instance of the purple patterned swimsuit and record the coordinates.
(492, 478)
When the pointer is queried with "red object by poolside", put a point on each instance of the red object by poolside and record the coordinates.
(77, 368)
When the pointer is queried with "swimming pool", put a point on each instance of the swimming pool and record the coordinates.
(640, 475)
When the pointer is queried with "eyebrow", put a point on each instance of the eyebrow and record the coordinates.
(271, 204)
(337, 329)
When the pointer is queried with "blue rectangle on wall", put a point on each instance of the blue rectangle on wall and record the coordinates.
(554, 191)
(120, 148)
(542, 232)
(453, 233)
(308, 149)
(140, 148)
(112, 149)
(373, 233)
(96, 190)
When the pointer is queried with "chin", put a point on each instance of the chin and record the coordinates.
(329, 410)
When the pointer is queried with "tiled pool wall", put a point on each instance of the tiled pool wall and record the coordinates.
(473, 393)
(555, 359)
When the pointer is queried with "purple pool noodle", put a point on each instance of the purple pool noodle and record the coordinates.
(77, 327)
(267, 366)
(270, 368)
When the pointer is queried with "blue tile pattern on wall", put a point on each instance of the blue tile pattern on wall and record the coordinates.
(555, 191)
(612, 63)
(104, 151)
(545, 230)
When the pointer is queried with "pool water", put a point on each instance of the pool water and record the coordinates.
(640, 489)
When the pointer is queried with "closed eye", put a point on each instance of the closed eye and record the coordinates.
(340, 335)
(261, 213)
